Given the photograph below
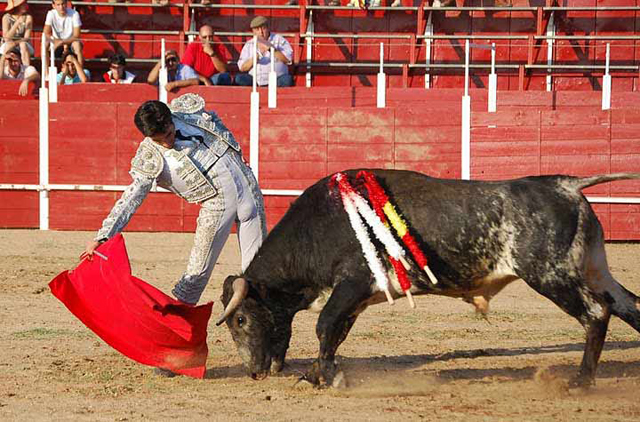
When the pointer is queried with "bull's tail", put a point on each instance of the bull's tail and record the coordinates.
(580, 183)
(625, 305)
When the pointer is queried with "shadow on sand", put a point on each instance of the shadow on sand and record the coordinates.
(606, 369)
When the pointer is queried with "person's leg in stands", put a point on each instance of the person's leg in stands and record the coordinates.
(285, 80)
(221, 79)
(76, 46)
(244, 79)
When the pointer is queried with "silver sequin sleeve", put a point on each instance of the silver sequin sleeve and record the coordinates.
(126, 206)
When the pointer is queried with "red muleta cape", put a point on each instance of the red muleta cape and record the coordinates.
(132, 316)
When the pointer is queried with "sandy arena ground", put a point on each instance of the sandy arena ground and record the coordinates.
(438, 362)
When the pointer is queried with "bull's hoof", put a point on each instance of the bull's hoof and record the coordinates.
(323, 375)
(304, 383)
(259, 376)
(314, 376)
(311, 378)
(339, 381)
(582, 381)
(276, 366)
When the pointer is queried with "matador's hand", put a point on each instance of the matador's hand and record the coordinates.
(89, 250)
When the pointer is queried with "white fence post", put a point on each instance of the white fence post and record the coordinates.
(163, 76)
(466, 120)
(428, 31)
(309, 40)
(273, 82)
(382, 80)
(606, 84)
(254, 126)
(53, 74)
(551, 32)
(493, 82)
(43, 144)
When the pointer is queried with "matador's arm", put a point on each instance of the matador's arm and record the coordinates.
(145, 168)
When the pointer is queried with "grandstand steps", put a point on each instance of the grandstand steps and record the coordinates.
(344, 37)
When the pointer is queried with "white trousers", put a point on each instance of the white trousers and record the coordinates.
(239, 199)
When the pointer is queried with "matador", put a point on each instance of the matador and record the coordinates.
(190, 152)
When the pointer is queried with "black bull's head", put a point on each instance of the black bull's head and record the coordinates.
(262, 339)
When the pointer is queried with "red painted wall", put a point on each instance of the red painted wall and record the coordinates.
(317, 132)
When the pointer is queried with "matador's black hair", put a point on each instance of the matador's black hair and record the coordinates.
(153, 117)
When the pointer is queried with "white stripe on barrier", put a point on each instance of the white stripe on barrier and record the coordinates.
(120, 188)
(266, 192)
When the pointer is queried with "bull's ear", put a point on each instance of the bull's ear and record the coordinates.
(261, 288)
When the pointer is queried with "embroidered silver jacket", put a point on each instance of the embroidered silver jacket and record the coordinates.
(186, 169)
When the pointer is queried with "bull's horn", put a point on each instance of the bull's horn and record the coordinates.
(240, 290)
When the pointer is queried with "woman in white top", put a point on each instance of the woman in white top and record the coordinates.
(16, 27)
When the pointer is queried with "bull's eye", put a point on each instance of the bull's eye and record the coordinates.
(240, 321)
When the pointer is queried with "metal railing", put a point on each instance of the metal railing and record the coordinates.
(108, 4)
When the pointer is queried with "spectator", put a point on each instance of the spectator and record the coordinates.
(72, 70)
(63, 25)
(327, 2)
(178, 75)
(452, 3)
(117, 73)
(282, 52)
(207, 59)
(16, 27)
(12, 68)
(365, 4)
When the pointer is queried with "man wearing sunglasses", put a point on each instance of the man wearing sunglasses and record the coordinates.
(11, 67)
(178, 75)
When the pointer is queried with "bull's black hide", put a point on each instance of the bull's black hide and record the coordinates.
(477, 236)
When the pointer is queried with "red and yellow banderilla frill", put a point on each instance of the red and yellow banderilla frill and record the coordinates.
(380, 199)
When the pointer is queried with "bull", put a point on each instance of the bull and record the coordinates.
(478, 237)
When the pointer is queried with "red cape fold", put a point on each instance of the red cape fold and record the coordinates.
(132, 316)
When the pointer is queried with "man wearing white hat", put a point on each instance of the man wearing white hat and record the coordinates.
(266, 39)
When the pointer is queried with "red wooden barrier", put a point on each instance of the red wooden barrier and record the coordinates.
(92, 141)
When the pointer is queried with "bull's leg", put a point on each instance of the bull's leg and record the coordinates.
(324, 369)
(574, 297)
(624, 304)
(280, 346)
(596, 333)
(334, 324)
(621, 303)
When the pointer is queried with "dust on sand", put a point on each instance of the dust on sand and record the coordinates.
(439, 361)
